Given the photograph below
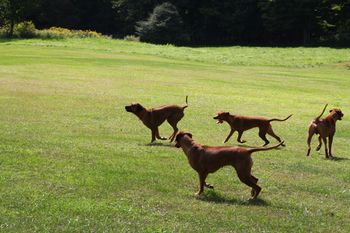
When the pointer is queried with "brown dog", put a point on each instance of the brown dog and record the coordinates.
(242, 123)
(154, 117)
(325, 128)
(208, 159)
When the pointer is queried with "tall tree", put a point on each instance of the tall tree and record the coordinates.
(14, 11)
(163, 26)
(291, 21)
(129, 12)
(59, 13)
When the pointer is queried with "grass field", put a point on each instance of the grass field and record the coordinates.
(73, 160)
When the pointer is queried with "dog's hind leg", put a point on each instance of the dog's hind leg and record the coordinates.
(173, 122)
(248, 180)
(271, 133)
(311, 134)
(254, 178)
(262, 135)
(319, 143)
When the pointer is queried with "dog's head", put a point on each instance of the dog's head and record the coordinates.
(134, 108)
(179, 136)
(337, 113)
(221, 116)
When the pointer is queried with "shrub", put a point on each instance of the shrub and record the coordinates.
(132, 38)
(3, 32)
(60, 33)
(163, 26)
(25, 29)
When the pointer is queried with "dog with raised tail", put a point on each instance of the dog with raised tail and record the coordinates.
(325, 127)
(208, 159)
(154, 117)
(242, 123)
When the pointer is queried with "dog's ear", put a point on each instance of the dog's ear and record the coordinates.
(178, 136)
(181, 134)
(227, 113)
(139, 107)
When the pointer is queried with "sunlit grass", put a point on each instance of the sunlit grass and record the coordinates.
(72, 159)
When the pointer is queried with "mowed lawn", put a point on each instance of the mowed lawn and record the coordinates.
(73, 160)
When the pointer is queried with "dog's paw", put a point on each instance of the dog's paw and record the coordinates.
(252, 192)
(198, 194)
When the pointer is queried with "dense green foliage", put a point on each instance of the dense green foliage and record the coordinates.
(250, 22)
(163, 26)
(15, 11)
(73, 160)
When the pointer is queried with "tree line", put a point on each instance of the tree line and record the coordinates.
(193, 22)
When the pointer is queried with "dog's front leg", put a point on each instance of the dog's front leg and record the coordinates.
(325, 147)
(240, 133)
(158, 136)
(202, 177)
(330, 141)
(229, 135)
(153, 135)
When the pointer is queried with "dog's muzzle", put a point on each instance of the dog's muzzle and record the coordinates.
(127, 108)
(218, 121)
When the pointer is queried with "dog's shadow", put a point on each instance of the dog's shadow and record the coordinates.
(336, 159)
(256, 147)
(212, 196)
(159, 144)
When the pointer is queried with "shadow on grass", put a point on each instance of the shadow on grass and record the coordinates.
(212, 196)
(4, 40)
(159, 144)
(255, 147)
(338, 159)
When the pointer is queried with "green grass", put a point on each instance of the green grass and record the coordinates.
(72, 159)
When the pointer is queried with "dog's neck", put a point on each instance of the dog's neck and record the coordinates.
(141, 114)
(187, 144)
(230, 119)
(332, 117)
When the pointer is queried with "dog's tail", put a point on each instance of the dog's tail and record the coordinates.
(275, 119)
(324, 109)
(251, 150)
(185, 106)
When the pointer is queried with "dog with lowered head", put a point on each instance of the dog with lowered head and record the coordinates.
(154, 117)
(208, 159)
